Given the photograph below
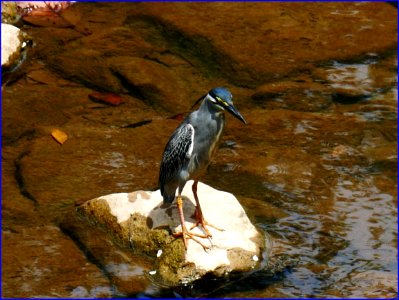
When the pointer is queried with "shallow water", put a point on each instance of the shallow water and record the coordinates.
(316, 168)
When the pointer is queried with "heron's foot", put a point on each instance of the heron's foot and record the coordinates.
(185, 234)
(201, 221)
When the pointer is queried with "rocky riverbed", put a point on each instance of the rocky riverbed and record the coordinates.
(316, 166)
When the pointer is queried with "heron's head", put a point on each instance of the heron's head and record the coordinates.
(223, 99)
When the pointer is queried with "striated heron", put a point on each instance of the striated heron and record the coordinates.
(189, 151)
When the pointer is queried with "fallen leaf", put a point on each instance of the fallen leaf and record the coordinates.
(59, 136)
(107, 98)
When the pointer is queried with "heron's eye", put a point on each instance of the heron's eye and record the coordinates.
(221, 101)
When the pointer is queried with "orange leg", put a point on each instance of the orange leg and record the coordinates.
(185, 234)
(199, 217)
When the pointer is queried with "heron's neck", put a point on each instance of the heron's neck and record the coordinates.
(208, 106)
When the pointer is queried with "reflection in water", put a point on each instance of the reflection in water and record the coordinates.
(345, 12)
(339, 195)
(303, 127)
(358, 235)
(96, 292)
(350, 77)
(124, 270)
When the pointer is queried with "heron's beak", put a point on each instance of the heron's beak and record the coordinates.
(231, 109)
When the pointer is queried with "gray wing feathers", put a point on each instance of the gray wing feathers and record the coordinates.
(177, 153)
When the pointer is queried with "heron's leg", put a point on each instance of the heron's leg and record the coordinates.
(199, 217)
(185, 234)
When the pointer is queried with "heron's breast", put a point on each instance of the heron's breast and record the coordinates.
(215, 142)
(206, 142)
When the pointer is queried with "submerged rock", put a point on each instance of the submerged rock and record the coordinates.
(139, 220)
(151, 51)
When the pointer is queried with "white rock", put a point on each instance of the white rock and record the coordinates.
(232, 249)
(11, 44)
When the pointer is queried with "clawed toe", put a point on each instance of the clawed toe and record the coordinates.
(201, 221)
(185, 234)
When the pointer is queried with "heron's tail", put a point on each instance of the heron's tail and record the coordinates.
(168, 196)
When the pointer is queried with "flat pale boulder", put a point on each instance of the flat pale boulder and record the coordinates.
(11, 44)
(140, 221)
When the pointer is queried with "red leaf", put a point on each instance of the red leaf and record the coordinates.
(107, 98)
